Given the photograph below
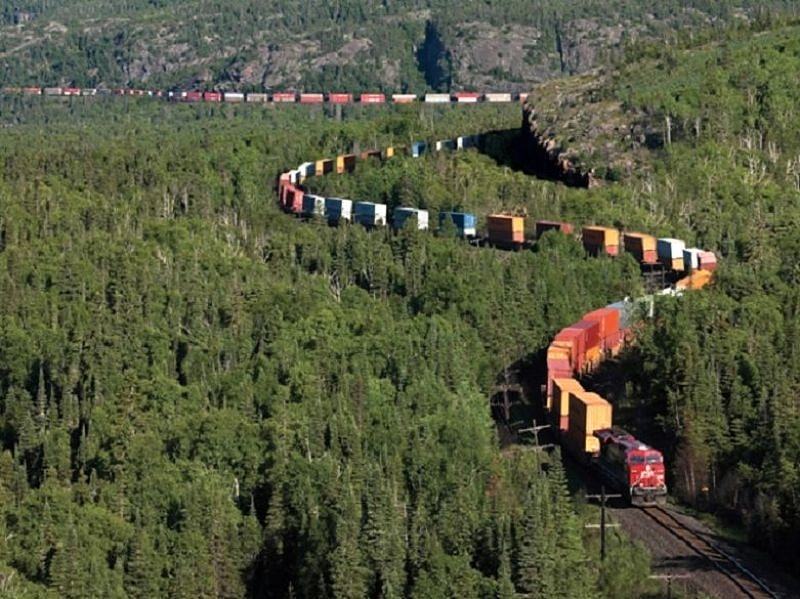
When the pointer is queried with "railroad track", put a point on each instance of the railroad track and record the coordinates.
(744, 579)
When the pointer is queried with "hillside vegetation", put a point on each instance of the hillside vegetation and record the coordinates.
(352, 45)
(201, 396)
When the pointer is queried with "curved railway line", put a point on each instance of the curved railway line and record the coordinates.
(676, 543)
(749, 584)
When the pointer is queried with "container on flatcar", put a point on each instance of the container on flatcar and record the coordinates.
(591, 337)
(707, 261)
(372, 98)
(670, 252)
(560, 404)
(293, 199)
(338, 209)
(340, 98)
(313, 205)
(306, 170)
(404, 98)
(608, 318)
(588, 412)
(437, 98)
(369, 214)
(641, 246)
(234, 97)
(71, 91)
(542, 226)
(89, 91)
(558, 367)
(371, 154)
(600, 240)
(506, 229)
(445, 144)
(345, 163)
(466, 224)
(403, 214)
(212, 97)
(574, 340)
(256, 98)
(691, 259)
(464, 142)
(324, 166)
(697, 280)
(393, 151)
(418, 148)
(497, 97)
(294, 176)
(466, 97)
(284, 97)
(312, 98)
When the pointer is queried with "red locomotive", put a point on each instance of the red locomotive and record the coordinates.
(631, 466)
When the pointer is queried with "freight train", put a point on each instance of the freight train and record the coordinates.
(583, 420)
(281, 97)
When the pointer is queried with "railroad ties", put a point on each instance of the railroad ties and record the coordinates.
(744, 579)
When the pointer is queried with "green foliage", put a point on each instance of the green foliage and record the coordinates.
(201, 396)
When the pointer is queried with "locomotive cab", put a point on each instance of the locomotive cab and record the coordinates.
(646, 481)
(635, 468)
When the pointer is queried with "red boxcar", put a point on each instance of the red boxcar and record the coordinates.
(372, 98)
(193, 97)
(212, 96)
(608, 319)
(32, 91)
(592, 333)
(466, 97)
(284, 97)
(311, 98)
(337, 98)
(72, 91)
(575, 340)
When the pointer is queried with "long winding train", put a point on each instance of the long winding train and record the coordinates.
(282, 97)
(583, 419)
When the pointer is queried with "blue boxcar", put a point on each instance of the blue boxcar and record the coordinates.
(369, 214)
(466, 223)
(337, 209)
(418, 148)
(313, 205)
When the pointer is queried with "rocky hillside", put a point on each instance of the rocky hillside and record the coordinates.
(355, 44)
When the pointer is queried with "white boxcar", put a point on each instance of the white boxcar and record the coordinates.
(437, 98)
(691, 258)
(404, 98)
(234, 97)
(401, 216)
(466, 141)
(369, 214)
(313, 205)
(257, 98)
(307, 169)
(338, 209)
(497, 97)
(445, 144)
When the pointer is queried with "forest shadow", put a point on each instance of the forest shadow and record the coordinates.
(513, 149)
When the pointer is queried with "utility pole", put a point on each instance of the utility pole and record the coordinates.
(603, 497)
(534, 430)
(669, 578)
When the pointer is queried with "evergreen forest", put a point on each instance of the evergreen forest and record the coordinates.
(201, 396)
